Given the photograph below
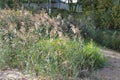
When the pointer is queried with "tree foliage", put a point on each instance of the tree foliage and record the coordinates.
(105, 13)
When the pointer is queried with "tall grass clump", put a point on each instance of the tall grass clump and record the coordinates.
(49, 47)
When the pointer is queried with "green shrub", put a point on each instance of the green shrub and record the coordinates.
(93, 59)
(105, 37)
(110, 38)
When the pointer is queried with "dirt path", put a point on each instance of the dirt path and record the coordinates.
(14, 74)
(112, 70)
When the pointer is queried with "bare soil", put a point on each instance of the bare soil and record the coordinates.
(14, 74)
(112, 70)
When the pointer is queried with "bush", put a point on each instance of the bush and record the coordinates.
(110, 38)
(105, 37)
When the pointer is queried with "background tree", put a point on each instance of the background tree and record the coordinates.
(105, 13)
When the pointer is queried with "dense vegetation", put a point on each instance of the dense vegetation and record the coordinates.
(104, 27)
(58, 46)
(49, 47)
(106, 37)
(105, 15)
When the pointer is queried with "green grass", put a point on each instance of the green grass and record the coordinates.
(53, 58)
